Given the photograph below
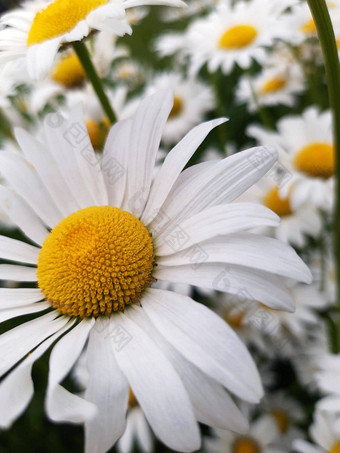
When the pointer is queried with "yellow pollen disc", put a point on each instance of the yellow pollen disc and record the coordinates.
(69, 72)
(273, 201)
(237, 37)
(316, 160)
(98, 132)
(335, 448)
(132, 399)
(95, 262)
(309, 27)
(338, 43)
(60, 17)
(234, 318)
(282, 420)
(273, 85)
(245, 445)
(177, 107)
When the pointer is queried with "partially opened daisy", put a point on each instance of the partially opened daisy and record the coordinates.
(39, 28)
(104, 232)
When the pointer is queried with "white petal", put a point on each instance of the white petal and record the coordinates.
(20, 311)
(18, 273)
(302, 446)
(216, 221)
(206, 340)
(143, 432)
(108, 389)
(62, 405)
(27, 184)
(23, 216)
(19, 341)
(52, 177)
(173, 165)
(115, 161)
(243, 283)
(217, 183)
(244, 249)
(133, 3)
(156, 385)
(17, 389)
(40, 58)
(147, 127)
(16, 297)
(13, 250)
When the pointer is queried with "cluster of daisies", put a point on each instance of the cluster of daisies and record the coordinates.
(167, 180)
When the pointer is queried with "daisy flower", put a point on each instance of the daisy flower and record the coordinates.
(38, 29)
(103, 235)
(309, 156)
(328, 382)
(235, 34)
(325, 432)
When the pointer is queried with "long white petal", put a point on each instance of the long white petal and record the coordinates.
(206, 340)
(244, 249)
(17, 297)
(17, 389)
(40, 58)
(23, 216)
(156, 385)
(173, 165)
(147, 127)
(242, 283)
(25, 310)
(108, 389)
(216, 221)
(19, 341)
(13, 250)
(18, 273)
(62, 405)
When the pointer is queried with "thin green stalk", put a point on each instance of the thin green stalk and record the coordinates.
(220, 111)
(261, 110)
(93, 77)
(5, 126)
(330, 52)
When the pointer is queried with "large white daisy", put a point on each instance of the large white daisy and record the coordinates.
(103, 234)
(39, 28)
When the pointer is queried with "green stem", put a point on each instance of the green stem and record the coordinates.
(5, 126)
(330, 52)
(93, 77)
(261, 110)
(220, 111)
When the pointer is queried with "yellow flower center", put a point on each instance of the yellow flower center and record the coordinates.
(132, 399)
(98, 132)
(273, 85)
(245, 445)
(309, 27)
(60, 17)
(177, 107)
(237, 37)
(95, 262)
(234, 318)
(69, 72)
(335, 448)
(282, 420)
(316, 160)
(273, 201)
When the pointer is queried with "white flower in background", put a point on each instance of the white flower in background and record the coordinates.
(260, 438)
(100, 229)
(194, 7)
(309, 156)
(296, 223)
(38, 29)
(235, 34)
(328, 382)
(192, 100)
(325, 432)
(277, 85)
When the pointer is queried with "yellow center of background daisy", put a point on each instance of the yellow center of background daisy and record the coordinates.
(245, 445)
(316, 160)
(273, 201)
(69, 72)
(282, 420)
(60, 17)
(177, 108)
(95, 262)
(335, 448)
(234, 318)
(132, 399)
(309, 27)
(98, 131)
(273, 85)
(237, 37)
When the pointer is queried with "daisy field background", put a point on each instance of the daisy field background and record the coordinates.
(127, 77)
